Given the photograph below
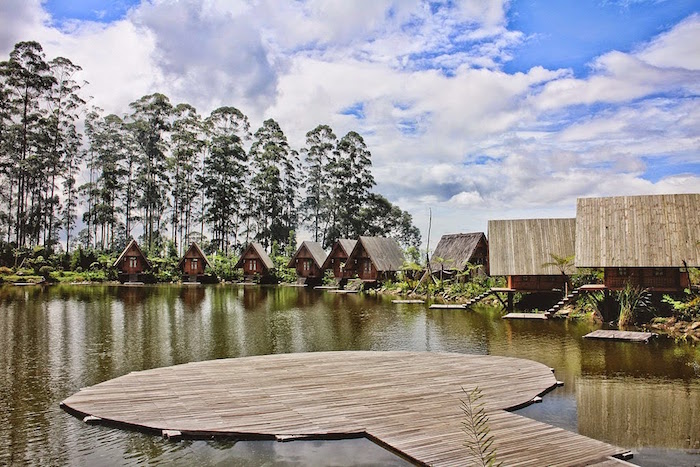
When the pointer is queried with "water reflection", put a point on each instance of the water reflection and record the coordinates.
(55, 340)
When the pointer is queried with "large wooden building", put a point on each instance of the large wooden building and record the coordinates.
(454, 252)
(256, 263)
(132, 264)
(192, 264)
(338, 257)
(308, 262)
(520, 250)
(645, 241)
(375, 258)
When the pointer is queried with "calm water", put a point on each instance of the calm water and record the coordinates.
(55, 340)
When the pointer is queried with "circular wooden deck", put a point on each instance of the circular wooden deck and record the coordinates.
(408, 401)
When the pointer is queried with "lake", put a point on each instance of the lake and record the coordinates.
(56, 339)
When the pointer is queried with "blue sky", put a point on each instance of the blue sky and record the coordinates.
(476, 109)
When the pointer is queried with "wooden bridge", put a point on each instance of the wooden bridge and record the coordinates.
(408, 402)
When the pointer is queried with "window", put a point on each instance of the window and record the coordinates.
(193, 263)
(252, 265)
(622, 272)
(133, 261)
(307, 265)
(659, 272)
(368, 266)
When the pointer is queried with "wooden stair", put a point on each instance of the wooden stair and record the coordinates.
(571, 298)
(476, 299)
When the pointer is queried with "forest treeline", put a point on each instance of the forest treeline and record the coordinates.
(169, 173)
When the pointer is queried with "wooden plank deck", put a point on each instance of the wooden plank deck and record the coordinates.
(632, 336)
(448, 306)
(408, 302)
(526, 316)
(407, 401)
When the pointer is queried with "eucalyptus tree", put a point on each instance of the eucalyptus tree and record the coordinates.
(274, 184)
(351, 181)
(65, 105)
(27, 80)
(149, 124)
(319, 153)
(187, 143)
(224, 179)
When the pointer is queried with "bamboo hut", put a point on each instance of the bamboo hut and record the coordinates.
(132, 264)
(308, 262)
(522, 249)
(256, 263)
(375, 259)
(455, 252)
(338, 257)
(645, 241)
(192, 263)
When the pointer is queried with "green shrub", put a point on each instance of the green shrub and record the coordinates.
(633, 300)
(686, 309)
(4, 271)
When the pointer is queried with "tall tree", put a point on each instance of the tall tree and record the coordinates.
(224, 178)
(319, 152)
(275, 183)
(149, 125)
(27, 79)
(187, 147)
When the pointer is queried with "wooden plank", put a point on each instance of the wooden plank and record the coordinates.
(408, 301)
(526, 316)
(408, 401)
(447, 306)
(632, 336)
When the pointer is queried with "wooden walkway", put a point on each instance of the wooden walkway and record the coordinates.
(408, 302)
(407, 401)
(447, 306)
(526, 316)
(632, 336)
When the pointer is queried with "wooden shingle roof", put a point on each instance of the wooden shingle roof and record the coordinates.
(521, 247)
(193, 252)
(385, 253)
(346, 245)
(259, 252)
(455, 250)
(638, 231)
(316, 250)
(128, 247)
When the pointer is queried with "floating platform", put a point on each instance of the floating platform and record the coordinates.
(632, 336)
(416, 302)
(326, 287)
(343, 291)
(592, 287)
(408, 402)
(445, 306)
(526, 316)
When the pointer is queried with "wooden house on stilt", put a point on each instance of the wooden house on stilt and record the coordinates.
(192, 264)
(256, 264)
(308, 262)
(523, 250)
(455, 252)
(374, 259)
(132, 264)
(337, 259)
(645, 241)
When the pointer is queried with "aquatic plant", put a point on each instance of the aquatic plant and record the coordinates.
(633, 300)
(476, 427)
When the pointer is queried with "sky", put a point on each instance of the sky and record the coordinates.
(472, 110)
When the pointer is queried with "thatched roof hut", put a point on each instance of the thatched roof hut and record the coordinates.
(132, 259)
(375, 257)
(255, 260)
(523, 247)
(193, 261)
(638, 231)
(308, 259)
(455, 251)
(338, 256)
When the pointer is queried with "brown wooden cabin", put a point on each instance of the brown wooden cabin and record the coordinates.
(192, 264)
(454, 252)
(308, 262)
(520, 249)
(256, 263)
(132, 264)
(375, 259)
(645, 241)
(338, 257)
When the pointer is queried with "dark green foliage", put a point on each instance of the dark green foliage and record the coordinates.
(478, 441)
(686, 307)
(633, 301)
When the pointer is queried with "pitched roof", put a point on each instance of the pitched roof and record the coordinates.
(316, 251)
(197, 251)
(346, 245)
(260, 252)
(521, 247)
(128, 246)
(385, 253)
(638, 231)
(455, 250)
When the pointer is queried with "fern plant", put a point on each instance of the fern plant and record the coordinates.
(476, 427)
